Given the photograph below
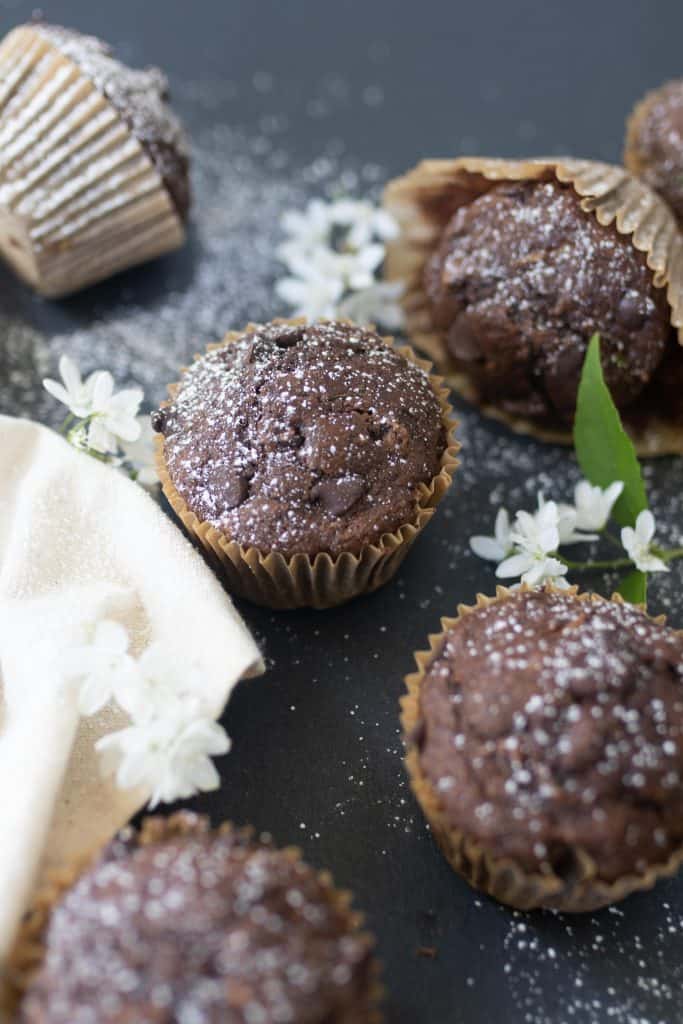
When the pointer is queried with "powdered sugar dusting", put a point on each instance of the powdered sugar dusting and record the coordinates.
(296, 438)
(552, 725)
(143, 328)
(255, 937)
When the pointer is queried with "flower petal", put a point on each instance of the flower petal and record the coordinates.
(516, 565)
(645, 526)
(487, 548)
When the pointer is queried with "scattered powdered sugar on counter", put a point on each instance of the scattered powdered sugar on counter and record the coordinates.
(241, 186)
(602, 967)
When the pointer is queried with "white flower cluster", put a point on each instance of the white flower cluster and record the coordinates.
(103, 422)
(169, 744)
(333, 252)
(528, 547)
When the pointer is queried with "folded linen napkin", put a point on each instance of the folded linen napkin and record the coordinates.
(79, 543)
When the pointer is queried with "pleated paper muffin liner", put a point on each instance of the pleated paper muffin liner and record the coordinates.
(80, 199)
(503, 878)
(277, 581)
(29, 949)
(425, 199)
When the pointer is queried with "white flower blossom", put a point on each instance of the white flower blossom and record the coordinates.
(537, 533)
(567, 524)
(354, 270)
(103, 668)
(307, 229)
(364, 221)
(76, 394)
(140, 454)
(638, 544)
(165, 685)
(313, 297)
(113, 416)
(498, 547)
(546, 570)
(332, 253)
(536, 538)
(376, 304)
(594, 505)
(169, 755)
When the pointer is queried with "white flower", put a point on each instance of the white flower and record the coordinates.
(102, 667)
(498, 547)
(75, 393)
(165, 686)
(313, 297)
(546, 570)
(356, 269)
(169, 755)
(534, 537)
(566, 524)
(114, 415)
(593, 505)
(375, 304)
(538, 534)
(364, 221)
(308, 229)
(353, 270)
(638, 544)
(140, 454)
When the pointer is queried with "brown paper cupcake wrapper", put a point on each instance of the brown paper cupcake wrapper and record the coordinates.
(499, 877)
(276, 581)
(422, 202)
(29, 949)
(80, 199)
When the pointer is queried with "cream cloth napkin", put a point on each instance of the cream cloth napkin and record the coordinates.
(80, 542)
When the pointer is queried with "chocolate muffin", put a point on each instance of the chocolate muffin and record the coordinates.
(509, 267)
(306, 441)
(521, 280)
(141, 99)
(179, 923)
(94, 163)
(545, 735)
(654, 143)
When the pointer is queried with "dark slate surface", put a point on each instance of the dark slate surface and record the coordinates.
(316, 758)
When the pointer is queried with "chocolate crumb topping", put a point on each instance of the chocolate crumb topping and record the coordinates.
(205, 927)
(140, 98)
(523, 278)
(303, 439)
(550, 724)
(654, 147)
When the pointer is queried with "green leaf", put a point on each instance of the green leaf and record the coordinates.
(633, 588)
(604, 450)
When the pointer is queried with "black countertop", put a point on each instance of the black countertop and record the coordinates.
(283, 100)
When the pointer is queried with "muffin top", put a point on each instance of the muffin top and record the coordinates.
(303, 439)
(140, 98)
(202, 927)
(522, 279)
(654, 147)
(549, 723)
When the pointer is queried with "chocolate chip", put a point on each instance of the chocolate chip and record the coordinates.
(462, 341)
(158, 420)
(289, 337)
(631, 311)
(232, 485)
(337, 496)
